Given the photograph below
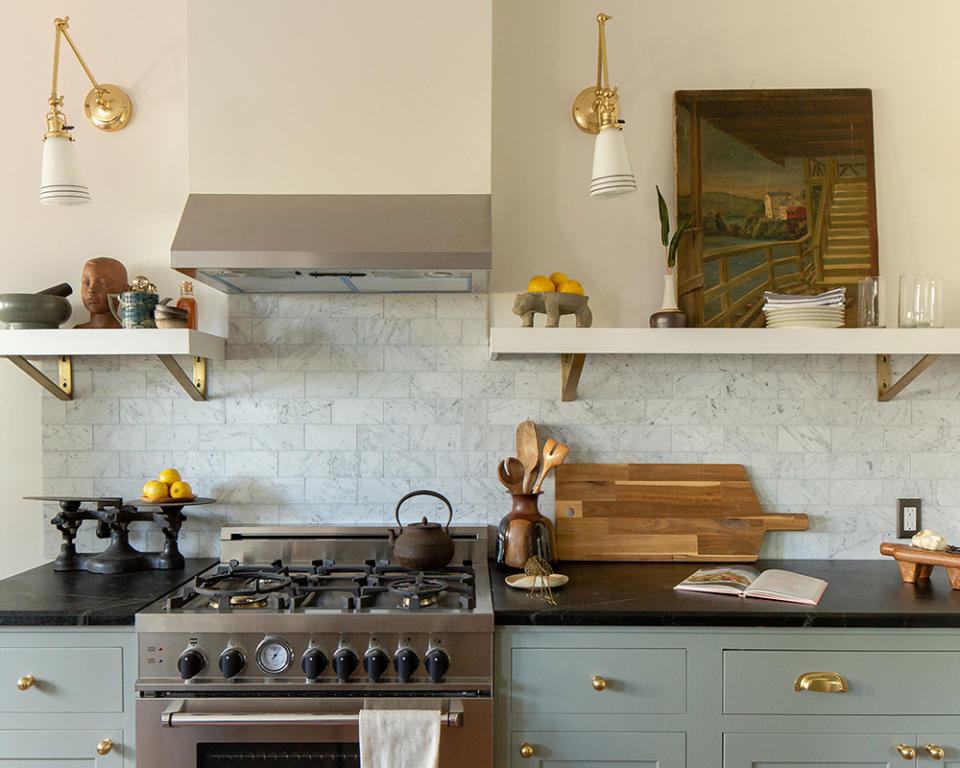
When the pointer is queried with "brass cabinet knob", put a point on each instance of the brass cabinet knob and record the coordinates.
(907, 753)
(526, 750)
(822, 682)
(25, 682)
(103, 747)
(935, 751)
(598, 683)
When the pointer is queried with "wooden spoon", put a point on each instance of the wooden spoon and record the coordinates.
(528, 450)
(553, 455)
(510, 473)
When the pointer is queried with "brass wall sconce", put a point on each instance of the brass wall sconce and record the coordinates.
(107, 106)
(595, 111)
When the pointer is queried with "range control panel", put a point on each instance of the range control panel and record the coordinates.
(326, 658)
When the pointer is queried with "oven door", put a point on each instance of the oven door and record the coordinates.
(288, 732)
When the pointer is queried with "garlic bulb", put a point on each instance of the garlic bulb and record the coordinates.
(927, 539)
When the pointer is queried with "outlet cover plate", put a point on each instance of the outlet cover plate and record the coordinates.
(908, 523)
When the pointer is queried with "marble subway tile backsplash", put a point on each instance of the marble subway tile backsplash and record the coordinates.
(330, 408)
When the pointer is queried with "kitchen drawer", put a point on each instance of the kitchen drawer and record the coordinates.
(56, 749)
(560, 680)
(66, 679)
(567, 749)
(815, 750)
(880, 682)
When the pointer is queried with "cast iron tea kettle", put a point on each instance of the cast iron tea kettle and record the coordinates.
(424, 546)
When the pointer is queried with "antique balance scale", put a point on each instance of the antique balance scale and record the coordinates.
(113, 518)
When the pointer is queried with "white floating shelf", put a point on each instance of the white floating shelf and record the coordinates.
(573, 344)
(721, 341)
(164, 343)
(90, 341)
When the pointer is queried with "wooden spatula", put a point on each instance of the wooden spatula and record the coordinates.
(510, 473)
(528, 451)
(553, 455)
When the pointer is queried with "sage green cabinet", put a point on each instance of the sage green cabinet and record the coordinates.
(66, 695)
(563, 749)
(55, 749)
(719, 697)
(816, 750)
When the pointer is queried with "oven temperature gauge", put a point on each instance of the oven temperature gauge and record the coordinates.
(274, 655)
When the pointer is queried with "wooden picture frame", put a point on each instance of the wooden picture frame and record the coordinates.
(782, 187)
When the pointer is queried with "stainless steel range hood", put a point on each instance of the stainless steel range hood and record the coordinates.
(335, 243)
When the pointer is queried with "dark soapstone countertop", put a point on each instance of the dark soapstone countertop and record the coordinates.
(45, 597)
(861, 593)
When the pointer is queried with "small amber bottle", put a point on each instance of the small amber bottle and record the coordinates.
(187, 302)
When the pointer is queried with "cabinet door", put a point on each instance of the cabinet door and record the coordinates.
(816, 750)
(566, 749)
(948, 742)
(52, 749)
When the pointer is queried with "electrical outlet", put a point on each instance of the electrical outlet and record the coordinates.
(908, 517)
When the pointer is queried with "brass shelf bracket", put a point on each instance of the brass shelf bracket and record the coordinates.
(196, 386)
(887, 389)
(62, 389)
(572, 367)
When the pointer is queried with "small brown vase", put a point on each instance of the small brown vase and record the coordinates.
(524, 532)
(669, 315)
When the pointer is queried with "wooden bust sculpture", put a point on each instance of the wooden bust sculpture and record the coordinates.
(101, 277)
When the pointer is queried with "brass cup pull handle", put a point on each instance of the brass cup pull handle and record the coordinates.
(906, 752)
(25, 682)
(935, 751)
(526, 750)
(103, 747)
(598, 683)
(822, 682)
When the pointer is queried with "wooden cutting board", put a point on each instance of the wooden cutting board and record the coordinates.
(662, 512)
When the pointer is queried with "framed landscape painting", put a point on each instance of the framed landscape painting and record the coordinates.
(782, 189)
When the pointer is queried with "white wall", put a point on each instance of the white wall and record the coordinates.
(340, 97)
(545, 52)
(138, 179)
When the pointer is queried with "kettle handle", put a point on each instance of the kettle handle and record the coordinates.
(436, 495)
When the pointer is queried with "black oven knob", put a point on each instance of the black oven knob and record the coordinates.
(405, 661)
(344, 662)
(232, 662)
(437, 662)
(313, 663)
(375, 662)
(191, 663)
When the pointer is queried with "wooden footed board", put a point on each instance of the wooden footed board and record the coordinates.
(662, 512)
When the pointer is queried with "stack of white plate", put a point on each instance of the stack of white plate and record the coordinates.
(804, 317)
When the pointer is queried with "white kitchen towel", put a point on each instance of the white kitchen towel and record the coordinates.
(399, 738)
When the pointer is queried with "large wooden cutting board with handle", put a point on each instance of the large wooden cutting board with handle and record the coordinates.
(662, 512)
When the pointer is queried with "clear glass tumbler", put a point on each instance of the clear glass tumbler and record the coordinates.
(921, 301)
(871, 302)
(909, 304)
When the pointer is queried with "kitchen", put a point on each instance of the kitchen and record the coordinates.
(328, 409)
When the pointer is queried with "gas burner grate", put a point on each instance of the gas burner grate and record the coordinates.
(362, 585)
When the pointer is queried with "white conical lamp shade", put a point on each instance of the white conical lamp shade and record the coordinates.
(612, 172)
(60, 179)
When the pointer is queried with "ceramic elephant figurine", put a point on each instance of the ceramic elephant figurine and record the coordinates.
(553, 305)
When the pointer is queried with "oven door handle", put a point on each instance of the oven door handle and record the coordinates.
(174, 717)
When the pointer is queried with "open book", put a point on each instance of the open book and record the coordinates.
(742, 580)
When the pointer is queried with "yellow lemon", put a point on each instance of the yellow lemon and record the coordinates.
(541, 284)
(155, 490)
(169, 476)
(570, 286)
(181, 490)
(557, 278)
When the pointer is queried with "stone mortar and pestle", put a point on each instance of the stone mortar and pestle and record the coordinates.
(48, 308)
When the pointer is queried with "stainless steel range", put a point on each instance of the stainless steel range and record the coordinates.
(268, 658)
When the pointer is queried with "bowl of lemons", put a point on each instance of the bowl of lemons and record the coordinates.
(168, 487)
(553, 296)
